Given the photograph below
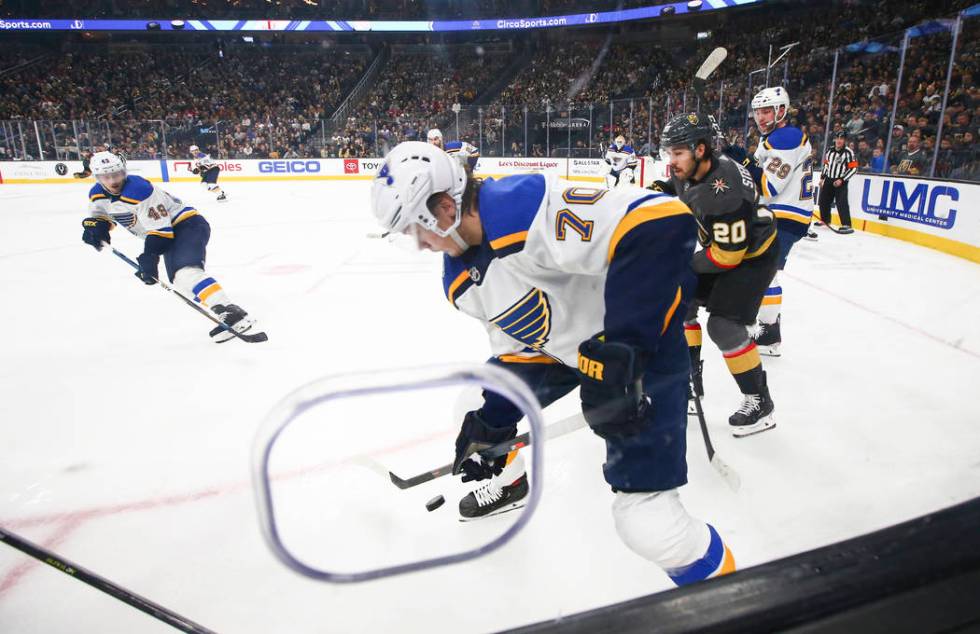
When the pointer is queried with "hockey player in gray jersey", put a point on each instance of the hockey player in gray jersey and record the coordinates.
(168, 228)
(735, 265)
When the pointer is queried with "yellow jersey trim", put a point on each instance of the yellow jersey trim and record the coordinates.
(641, 215)
(762, 249)
(514, 358)
(508, 240)
(671, 310)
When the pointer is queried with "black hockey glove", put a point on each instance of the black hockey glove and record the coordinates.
(96, 231)
(665, 187)
(149, 271)
(611, 374)
(474, 436)
(196, 170)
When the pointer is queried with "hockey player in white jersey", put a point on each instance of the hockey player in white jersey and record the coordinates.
(577, 286)
(169, 228)
(462, 151)
(784, 157)
(209, 170)
(622, 163)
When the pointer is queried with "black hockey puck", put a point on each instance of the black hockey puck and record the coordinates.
(435, 503)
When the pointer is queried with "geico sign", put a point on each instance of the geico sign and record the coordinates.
(288, 167)
(925, 203)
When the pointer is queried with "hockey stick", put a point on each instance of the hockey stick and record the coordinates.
(100, 583)
(729, 475)
(556, 429)
(711, 62)
(256, 338)
(820, 223)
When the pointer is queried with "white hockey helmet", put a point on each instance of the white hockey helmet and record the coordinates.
(106, 163)
(193, 148)
(411, 173)
(621, 141)
(434, 133)
(772, 98)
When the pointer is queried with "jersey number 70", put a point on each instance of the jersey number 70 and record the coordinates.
(566, 218)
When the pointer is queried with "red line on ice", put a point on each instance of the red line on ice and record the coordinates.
(67, 523)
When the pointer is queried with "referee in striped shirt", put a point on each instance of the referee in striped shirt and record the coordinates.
(839, 165)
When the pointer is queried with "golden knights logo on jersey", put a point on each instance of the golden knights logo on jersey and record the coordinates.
(528, 320)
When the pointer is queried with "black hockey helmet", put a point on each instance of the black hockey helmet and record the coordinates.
(840, 134)
(690, 128)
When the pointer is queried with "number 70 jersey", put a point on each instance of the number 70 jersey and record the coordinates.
(786, 185)
(538, 280)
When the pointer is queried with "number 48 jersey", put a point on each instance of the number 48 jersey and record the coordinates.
(786, 186)
(140, 207)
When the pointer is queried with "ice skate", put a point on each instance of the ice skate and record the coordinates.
(504, 492)
(755, 413)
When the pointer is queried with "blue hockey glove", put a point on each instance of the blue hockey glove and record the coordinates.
(149, 271)
(475, 436)
(612, 395)
(96, 231)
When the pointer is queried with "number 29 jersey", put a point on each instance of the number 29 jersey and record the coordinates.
(140, 207)
(786, 184)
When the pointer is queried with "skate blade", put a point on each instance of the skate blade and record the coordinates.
(762, 425)
(769, 351)
(503, 509)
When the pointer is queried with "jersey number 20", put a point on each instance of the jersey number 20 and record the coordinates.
(733, 233)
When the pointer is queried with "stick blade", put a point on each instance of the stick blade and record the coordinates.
(729, 475)
(714, 59)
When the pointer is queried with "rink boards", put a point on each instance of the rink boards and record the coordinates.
(941, 215)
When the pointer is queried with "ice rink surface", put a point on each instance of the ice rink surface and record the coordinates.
(128, 433)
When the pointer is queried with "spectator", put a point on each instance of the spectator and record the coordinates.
(877, 164)
(913, 161)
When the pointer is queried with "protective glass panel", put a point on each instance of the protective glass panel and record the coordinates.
(344, 474)
(959, 154)
(864, 95)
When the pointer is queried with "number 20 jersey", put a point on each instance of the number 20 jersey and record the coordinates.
(786, 186)
(538, 281)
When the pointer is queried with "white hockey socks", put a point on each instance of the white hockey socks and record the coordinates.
(202, 287)
(772, 302)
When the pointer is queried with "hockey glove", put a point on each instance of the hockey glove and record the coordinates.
(96, 231)
(149, 270)
(611, 374)
(474, 436)
(196, 170)
(665, 187)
